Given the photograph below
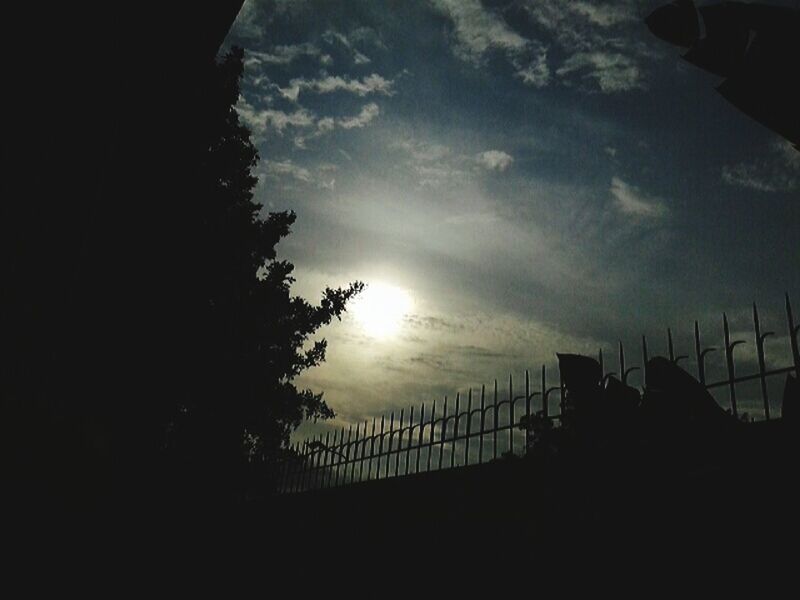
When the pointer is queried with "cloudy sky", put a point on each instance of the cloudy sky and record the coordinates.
(512, 179)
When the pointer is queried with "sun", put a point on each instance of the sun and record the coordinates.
(380, 309)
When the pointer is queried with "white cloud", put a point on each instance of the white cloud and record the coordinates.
(478, 31)
(613, 72)
(279, 120)
(779, 171)
(287, 168)
(371, 84)
(495, 160)
(605, 14)
(283, 55)
(593, 37)
(630, 201)
(367, 114)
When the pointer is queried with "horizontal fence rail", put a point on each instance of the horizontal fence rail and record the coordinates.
(483, 426)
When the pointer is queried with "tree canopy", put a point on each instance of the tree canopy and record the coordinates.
(256, 334)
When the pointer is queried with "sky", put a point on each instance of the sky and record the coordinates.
(511, 179)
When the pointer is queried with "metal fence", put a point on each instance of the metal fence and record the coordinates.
(484, 425)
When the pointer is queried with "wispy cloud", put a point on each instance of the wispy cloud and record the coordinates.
(478, 31)
(779, 171)
(612, 71)
(284, 55)
(371, 84)
(495, 160)
(367, 114)
(281, 168)
(630, 201)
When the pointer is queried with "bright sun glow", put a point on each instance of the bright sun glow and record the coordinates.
(380, 309)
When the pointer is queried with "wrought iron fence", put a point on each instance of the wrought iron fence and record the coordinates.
(418, 442)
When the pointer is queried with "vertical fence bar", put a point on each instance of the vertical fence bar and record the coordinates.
(295, 483)
(455, 432)
(670, 345)
(602, 365)
(391, 440)
(354, 460)
(315, 463)
(483, 423)
(399, 444)
(761, 360)
(645, 360)
(419, 437)
(510, 414)
(441, 437)
(312, 464)
(329, 456)
(345, 449)
(494, 423)
(430, 437)
(545, 410)
(380, 449)
(730, 365)
(699, 355)
(371, 449)
(363, 454)
(621, 362)
(793, 329)
(328, 473)
(341, 458)
(410, 441)
(469, 427)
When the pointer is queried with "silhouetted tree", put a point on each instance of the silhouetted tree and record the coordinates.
(244, 404)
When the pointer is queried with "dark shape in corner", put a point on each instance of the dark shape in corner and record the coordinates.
(755, 47)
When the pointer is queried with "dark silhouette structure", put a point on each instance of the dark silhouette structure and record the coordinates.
(755, 47)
